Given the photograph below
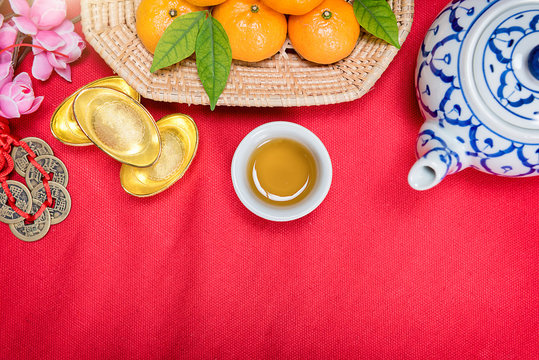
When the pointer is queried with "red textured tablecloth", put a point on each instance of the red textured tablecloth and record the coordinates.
(378, 271)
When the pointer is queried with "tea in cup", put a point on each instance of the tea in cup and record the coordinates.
(281, 171)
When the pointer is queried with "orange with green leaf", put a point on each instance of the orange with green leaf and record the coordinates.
(321, 31)
(154, 16)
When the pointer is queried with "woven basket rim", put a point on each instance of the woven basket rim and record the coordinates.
(283, 80)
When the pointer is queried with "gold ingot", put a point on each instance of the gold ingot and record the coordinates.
(118, 125)
(179, 136)
(64, 127)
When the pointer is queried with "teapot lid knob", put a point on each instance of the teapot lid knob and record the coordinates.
(533, 62)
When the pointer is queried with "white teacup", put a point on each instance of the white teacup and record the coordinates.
(274, 130)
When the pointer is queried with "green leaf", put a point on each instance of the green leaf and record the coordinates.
(214, 58)
(377, 18)
(178, 41)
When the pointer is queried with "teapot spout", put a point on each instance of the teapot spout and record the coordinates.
(439, 154)
(429, 170)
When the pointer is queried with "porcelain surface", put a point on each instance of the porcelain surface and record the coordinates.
(272, 130)
(477, 83)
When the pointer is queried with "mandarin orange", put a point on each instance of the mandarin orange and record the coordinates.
(206, 2)
(292, 7)
(326, 34)
(255, 31)
(154, 16)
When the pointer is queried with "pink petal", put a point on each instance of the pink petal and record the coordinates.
(51, 58)
(8, 107)
(71, 48)
(39, 7)
(20, 7)
(78, 46)
(8, 35)
(41, 69)
(36, 50)
(65, 73)
(61, 62)
(6, 69)
(75, 54)
(12, 91)
(65, 27)
(37, 102)
(24, 101)
(50, 40)
(7, 78)
(4, 82)
(47, 19)
(25, 25)
(23, 78)
(6, 89)
(81, 44)
(5, 57)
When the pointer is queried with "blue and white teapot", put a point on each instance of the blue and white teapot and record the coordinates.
(477, 83)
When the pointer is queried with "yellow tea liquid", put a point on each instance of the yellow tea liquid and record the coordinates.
(282, 171)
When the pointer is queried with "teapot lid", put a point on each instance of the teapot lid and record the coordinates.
(499, 68)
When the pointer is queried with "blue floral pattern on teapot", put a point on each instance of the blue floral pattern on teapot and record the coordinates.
(478, 90)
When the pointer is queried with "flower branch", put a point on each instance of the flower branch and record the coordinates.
(54, 44)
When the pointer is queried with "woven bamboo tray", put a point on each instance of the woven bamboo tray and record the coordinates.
(283, 80)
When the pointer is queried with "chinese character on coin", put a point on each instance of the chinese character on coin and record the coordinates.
(19, 155)
(50, 164)
(61, 201)
(35, 230)
(23, 200)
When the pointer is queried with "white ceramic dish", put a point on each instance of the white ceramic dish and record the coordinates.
(281, 129)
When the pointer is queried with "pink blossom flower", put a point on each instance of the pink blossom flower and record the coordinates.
(61, 39)
(52, 34)
(17, 97)
(43, 15)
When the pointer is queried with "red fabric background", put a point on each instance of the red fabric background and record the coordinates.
(378, 271)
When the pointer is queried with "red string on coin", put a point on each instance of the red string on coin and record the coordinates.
(6, 161)
(7, 165)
